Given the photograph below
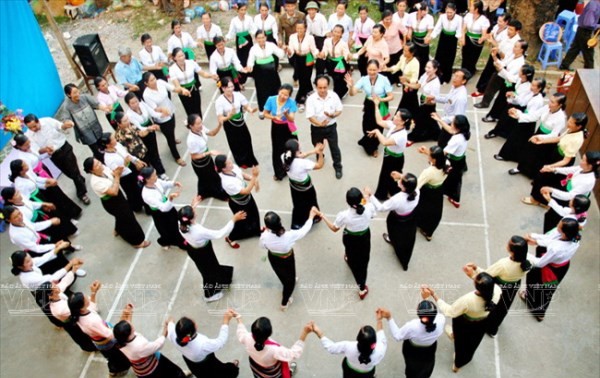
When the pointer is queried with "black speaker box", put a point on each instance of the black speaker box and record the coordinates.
(91, 54)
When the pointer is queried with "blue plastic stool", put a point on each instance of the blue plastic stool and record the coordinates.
(567, 19)
(550, 54)
(568, 39)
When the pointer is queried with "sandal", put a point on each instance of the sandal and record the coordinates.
(363, 293)
(145, 244)
(375, 154)
(386, 237)
(181, 162)
(178, 141)
(232, 244)
(236, 363)
(85, 199)
(427, 237)
(529, 201)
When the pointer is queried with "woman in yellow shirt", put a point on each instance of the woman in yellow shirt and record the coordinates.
(409, 77)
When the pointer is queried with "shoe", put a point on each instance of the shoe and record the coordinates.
(293, 368)
(481, 105)
(214, 298)
(540, 318)
(76, 247)
(523, 295)
(454, 202)
(498, 157)
(301, 108)
(564, 68)
(85, 199)
(455, 369)
(232, 244)
(490, 135)
(166, 248)
(275, 178)
(489, 119)
(492, 335)
(427, 237)
(409, 143)
(74, 222)
(476, 94)
(181, 162)
(115, 233)
(363, 293)
(164, 177)
(449, 332)
(177, 141)
(80, 273)
(236, 362)
(261, 116)
(338, 174)
(386, 237)
(375, 153)
(529, 201)
(289, 302)
(513, 171)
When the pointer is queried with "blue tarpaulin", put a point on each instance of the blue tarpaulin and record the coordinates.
(28, 76)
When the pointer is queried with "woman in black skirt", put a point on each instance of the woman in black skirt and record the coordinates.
(297, 166)
(241, 29)
(357, 236)
(280, 245)
(225, 63)
(409, 67)
(160, 203)
(302, 50)
(230, 108)
(216, 277)
(507, 273)
(419, 32)
(105, 184)
(199, 351)
(430, 181)
(429, 85)
(209, 182)
(108, 95)
(445, 53)
(549, 266)
(240, 198)
(336, 51)
(469, 315)
(261, 62)
(401, 224)
(420, 338)
(475, 26)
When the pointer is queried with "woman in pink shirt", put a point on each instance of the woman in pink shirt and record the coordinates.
(394, 37)
(376, 48)
(108, 95)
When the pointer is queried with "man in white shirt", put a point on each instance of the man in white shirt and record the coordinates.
(316, 25)
(322, 109)
(49, 135)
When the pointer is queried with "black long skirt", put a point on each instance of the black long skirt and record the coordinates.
(421, 53)
(125, 223)
(280, 134)
(240, 143)
(210, 48)
(387, 186)
(267, 82)
(486, 75)
(248, 227)
(506, 124)
(64, 204)
(551, 220)
(470, 55)
(409, 101)
(152, 157)
(285, 269)
(165, 368)
(304, 74)
(402, 231)
(193, 103)
(517, 141)
(168, 228)
(348, 372)
(453, 184)
(425, 127)
(242, 54)
(209, 181)
(535, 156)
(500, 105)
(304, 197)
(394, 58)
(132, 190)
(216, 277)
(358, 254)
(60, 232)
(228, 72)
(362, 60)
(419, 360)
(211, 366)
(496, 316)
(339, 84)
(369, 123)
(545, 179)
(430, 208)
(446, 54)
(540, 291)
(467, 337)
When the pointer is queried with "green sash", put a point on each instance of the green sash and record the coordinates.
(560, 151)
(189, 53)
(420, 34)
(231, 68)
(356, 233)
(113, 112)
(266, 60)
(544, 129)
(147, 123)
(242, 37)
(384, 110)
(208, 43)
(455, 158)
(430, 186)
(473, 35)
(237, 116)
(339, 67)
(310, 59)
(164, 199)
(393, 154)
(189, 85)
(448, 32)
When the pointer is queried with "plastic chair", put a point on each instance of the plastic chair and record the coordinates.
(567, 19)
(551, 52)
(568, 39)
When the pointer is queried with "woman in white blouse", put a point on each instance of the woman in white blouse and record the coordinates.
(199, 351)
(156, 95)
(363, 27)
(241, 28)
(106, 184)
(209, 182)
(357, 236)
(266, 22)
(261, 63)
(449, 28)
(267, 357)
(549, 266)
(401, 224)
(181, 39)
(116, 155)
(109, 95)
(339, 17)
(474, 33)
(337, 53)
(360, 356)
(420, 26)
(420, 337)
(429, 85)
(225, 63)
(216, 277)
(230, 108)
(207, 32)
(240, 198)
(304, 50)
(153, 58)
(157, 197)
(280, 246)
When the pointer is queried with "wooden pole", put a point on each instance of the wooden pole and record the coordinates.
(57, 33)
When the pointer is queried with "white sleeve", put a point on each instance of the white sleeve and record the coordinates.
(398, 333)
(335, 348)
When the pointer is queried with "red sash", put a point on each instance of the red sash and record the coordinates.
(548, 276)
(285, 367)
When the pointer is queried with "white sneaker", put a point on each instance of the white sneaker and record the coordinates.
(75, 234)
(215, 297)
(290, 301)
(75, 222)
(164, 177)
(76, 247)
(301, 108)
(261, 116)
(80, 273)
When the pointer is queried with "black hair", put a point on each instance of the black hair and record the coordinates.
(208, 14)
(185, 329)
(466, 74)
(386, 13)
(529, 71)
(259, 32)
(518, 246)
(145, 37)
(146, 76)
(300, 22)
(104, 141)
(373, 61)
(30, 118)
(479, 6)
(340, 27)
(363, 7)
(421, 5)
(129, 96)
(122, 331)
(342, 2)
(145, 174)
(412, 48)
(366, 341)
(175, 51)
(76, 303)
(174, 23)
(7, 211)
(409, 183)
(191, 119)
(220, 161)
(406, 116)
(98, 80)
(69, 88)
(8, 193)
(581, 119)
(593, 159)
(516, 24)
(185, 215)
(427, 311)
(354, 199)
(436, 66)
(225, 81)
(484, 283)
(242, 4)
(462, 125)
(437, 153)
(16, 166)
(287, 87)
(261, 331)
(507, 17)
(17, 259)
(42, 296)
(88, 164)
(273, 223)
(324, 77)
(542, 84)
(570, 227)
(218, 39)
(291, 149)
(524, 45)
(581, 204)
(263, 4)
(561, 98)
(20, 139)
(119, 117)
(451, 6)
(379, 27)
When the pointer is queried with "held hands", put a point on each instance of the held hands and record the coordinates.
(139, 164)
(60, 245)
(128, 310)
(314, 212)
(240, 215)
(383, 313)
(165, 331)
(423, 150)
(396, 175)
(469, 269)
(367, 192)
(118, 171)
(535, 139)
(51, 182)
(47, 206)
(185, 92)
(319, 147)
(55, 221)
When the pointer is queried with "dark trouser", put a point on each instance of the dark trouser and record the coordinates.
(470, 55)
(212, 367)
(500, 106)
(358, 253)
(387, 186)
(453, 184)
(467, 337)
(66, 161)
(486, 75)
(285, 269)
(116, 360)
(98, 155)
(152, 155)
(580, 45)
(493, 86)
(545, 179)
(318, 134)
(193, 103)
(320, 63)
(168, 130)
(303, 75)
(495, 318)
(419, 360)
(280, 133)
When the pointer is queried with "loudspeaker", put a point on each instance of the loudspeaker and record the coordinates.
(91, 54)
